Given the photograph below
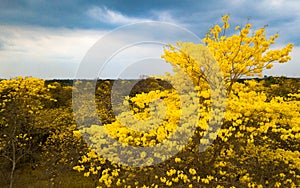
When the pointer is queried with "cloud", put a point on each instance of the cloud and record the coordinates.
(289, 69)
(2, 45)
(130, 44)
(57, 52)
(43, 52)
(165, 16)
(112, 17)
(168, 16)
(197, 16)
(109, 16)
(136, 60)
(67, 13)
(282, 17)
(276, 3)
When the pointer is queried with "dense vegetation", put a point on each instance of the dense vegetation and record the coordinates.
(46, 149)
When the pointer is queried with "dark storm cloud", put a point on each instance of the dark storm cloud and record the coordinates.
(73, 13)
(46, 13)
(281, 16)
(197, 16)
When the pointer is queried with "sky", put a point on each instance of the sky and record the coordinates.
(50, 39)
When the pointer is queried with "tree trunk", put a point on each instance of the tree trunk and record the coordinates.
(11, 180)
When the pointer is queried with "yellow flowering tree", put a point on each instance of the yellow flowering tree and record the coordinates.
(21, 100)
(255, 145)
